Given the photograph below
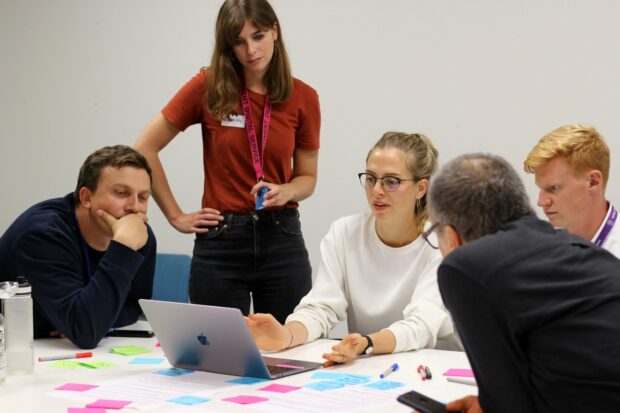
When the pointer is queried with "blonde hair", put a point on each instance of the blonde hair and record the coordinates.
(421, 160)
(581, 145)
(225, 72)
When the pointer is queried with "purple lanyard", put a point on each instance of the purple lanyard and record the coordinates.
(257, 158)
(609, 224)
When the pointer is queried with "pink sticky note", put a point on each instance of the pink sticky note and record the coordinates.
(290, 366)
(279, 388)
(459, 373)
(109, 404)
(76, 387)
(246, 399)
(84, 410)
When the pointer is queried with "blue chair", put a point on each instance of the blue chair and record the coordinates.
(171, 282)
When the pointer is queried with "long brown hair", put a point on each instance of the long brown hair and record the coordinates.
(222, 95)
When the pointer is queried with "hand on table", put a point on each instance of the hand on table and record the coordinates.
(346, 350)
(56, 333)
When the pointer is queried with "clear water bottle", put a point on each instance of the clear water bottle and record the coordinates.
(2, 351)
(18, 330)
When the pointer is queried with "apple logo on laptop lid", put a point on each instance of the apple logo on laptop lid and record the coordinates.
(202, 339)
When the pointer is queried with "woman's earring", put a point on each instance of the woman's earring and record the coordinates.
(417, 204)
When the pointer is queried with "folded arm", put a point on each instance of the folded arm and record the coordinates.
(81, 309)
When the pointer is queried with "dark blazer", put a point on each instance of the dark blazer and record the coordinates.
(538, 311)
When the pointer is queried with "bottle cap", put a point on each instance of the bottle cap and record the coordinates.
(24, 287)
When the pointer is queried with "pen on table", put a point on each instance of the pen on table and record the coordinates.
(389, 371)
(470, 382)
(67, 356)
(424, 372)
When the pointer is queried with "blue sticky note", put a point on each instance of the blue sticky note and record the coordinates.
(189, 400)
(385, 385)
(173, 372)
(350, 379)
(324, 385)
(324, 375)
(246, 380)
(147, 360)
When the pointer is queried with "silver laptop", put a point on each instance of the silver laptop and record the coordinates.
(214, 339)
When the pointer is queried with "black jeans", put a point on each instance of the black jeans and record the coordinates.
(262, 253)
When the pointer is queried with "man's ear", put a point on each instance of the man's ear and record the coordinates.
(451, 239)
(85, 197)
(595, 180)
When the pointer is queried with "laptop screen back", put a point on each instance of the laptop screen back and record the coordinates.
(201, 337)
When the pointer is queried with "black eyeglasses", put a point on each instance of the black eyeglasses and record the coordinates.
(388, 183)
(426, 235)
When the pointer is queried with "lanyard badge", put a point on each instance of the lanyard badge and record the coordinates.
(257, 157)
(609, 224)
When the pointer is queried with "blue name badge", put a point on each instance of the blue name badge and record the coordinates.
(260, 198)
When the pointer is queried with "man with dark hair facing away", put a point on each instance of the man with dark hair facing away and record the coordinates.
(537, 309)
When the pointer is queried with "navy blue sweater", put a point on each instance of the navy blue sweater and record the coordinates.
(44, 245)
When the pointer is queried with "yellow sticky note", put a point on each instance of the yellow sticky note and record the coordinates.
(96, 364)
(63, 364)
(129, 350)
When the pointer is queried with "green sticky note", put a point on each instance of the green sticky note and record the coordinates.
(96, 364)
(64, 364)
(129, 350)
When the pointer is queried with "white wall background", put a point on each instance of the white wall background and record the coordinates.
(481, 75)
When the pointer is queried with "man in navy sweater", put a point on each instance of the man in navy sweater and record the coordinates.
(90, 255)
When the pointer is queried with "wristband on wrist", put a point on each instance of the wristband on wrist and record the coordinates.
(369, 347)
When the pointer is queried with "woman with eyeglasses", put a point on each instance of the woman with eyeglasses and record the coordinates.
(260, 138)
(377, 270)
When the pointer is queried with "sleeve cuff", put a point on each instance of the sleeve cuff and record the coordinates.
(123, 258)
(313, 328)
(172, 119)
(401, 337)
(406, 340)
(414, 334)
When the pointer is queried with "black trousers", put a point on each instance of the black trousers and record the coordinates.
(262, 253)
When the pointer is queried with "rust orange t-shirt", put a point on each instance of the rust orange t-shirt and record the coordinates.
(229, 173)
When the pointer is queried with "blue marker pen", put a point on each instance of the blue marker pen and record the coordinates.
(389, 371)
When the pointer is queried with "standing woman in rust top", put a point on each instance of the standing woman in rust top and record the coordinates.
(260, 134)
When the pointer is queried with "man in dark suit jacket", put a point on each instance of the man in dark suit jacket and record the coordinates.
(537, 309)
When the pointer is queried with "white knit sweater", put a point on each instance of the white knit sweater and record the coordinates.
(375, 287)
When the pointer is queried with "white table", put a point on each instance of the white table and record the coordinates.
(29, 393)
